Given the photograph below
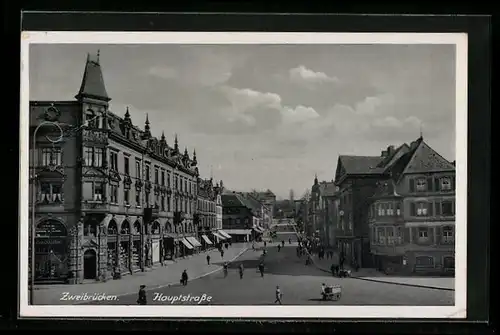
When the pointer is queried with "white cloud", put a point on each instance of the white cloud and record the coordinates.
(391, 122)
(245, 99)
(303, 75)
(298, 114)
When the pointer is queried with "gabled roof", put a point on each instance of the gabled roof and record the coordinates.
(231, 200)
(93, 82)
(425, 159)
(357, 165)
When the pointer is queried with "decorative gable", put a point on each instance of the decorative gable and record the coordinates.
(93, 172)
(425, 159)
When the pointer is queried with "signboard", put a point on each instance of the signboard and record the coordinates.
(51, 228)
(48, 241)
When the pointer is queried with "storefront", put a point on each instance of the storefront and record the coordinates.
(219, 238)
(51, 251)
(240, 235)
(137, 241)
(185, 247)
(195, 243)
(224, 234)
(125, 247)
(112, 239)
(207, 243)
(155, 243)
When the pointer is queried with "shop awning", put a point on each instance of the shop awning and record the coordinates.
(166, 235)
(206, 239)
(186, 243)
(238, 231)
(194, 242)
(219, 236)
(223, 233)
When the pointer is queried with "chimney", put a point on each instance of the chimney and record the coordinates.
(390, 150)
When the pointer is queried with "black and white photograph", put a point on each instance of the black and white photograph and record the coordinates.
(243, 175)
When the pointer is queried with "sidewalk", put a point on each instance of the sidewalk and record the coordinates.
(161, 276)
(438, 283)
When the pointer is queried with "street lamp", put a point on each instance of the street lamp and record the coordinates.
(33, 195)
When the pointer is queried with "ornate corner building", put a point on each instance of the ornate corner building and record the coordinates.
(109, 199)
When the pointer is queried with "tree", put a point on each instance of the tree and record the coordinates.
(291, 195)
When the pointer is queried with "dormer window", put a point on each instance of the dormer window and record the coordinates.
(421, 184)
(445, 184)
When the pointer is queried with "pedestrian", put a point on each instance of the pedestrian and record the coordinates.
(226, 265)
(222, 253)
(253, 246)
(261, 269)
(282, 243)
(241, 271)
(341, 261)
(279, 248)
(226, 245)
(289, 241)
(142, 298)
(335, 264)
(265, 244)
(279, 295)
(184, 278)
(208, 259)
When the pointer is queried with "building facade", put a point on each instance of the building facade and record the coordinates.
(207, 213)
(240, 219)
(268, 199)
(110, 199)
(412, 216)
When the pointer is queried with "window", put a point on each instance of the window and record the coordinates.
(157, 175)
(126, 197)
(147, 172)
(157, 201)
(88, 154)
(113, 160)
(163, 178)
(146, 200)
(113, 196)
(421, 209)
(421, 184)
(424, 261)
(390, 209)
(138, 198)
(51, 156)
(449, 263)
(168, 179)
(138, 168)
(398, 209)
(445, 184)
(162, 203)
(423, 235)
(381, 235)
(93, 191)
(381, 210)
(50, 193)
(447, 208)
(448, 236)
(185, 185)
(98, 155)
(168, 204)
(126, 165)
(176, 182)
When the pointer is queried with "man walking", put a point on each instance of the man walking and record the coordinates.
(208, 259)
(142, 299)
(184, 278)
(241, 271)
(261, 269)
(278, 295)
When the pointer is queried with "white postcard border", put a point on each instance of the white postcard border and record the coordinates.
(256, 311)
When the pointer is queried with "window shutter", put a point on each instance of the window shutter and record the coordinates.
(438, 208)
(437, 184)
(413, 209)
(430, 208)
(429, 184)
(412, 185)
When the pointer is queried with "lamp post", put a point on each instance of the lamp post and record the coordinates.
(33, 195)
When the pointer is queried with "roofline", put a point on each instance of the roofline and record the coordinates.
(49, 102)
(351, 175)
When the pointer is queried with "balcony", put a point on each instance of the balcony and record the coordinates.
(94, 136)
(96, 205)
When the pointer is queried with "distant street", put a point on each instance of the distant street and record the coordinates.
(300, 284)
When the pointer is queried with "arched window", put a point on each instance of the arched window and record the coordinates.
(137, 228)
(155, 229)
(112, 228)
(125, 228)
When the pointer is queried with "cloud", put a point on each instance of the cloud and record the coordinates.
(303, 75)
(391, 123)
(298, 114)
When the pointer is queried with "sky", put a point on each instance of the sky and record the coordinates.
(269, 116)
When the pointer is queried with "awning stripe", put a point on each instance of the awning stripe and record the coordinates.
(218, 235)
(206, 239)
(193, 241)
(223, 233)
(186, 243)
